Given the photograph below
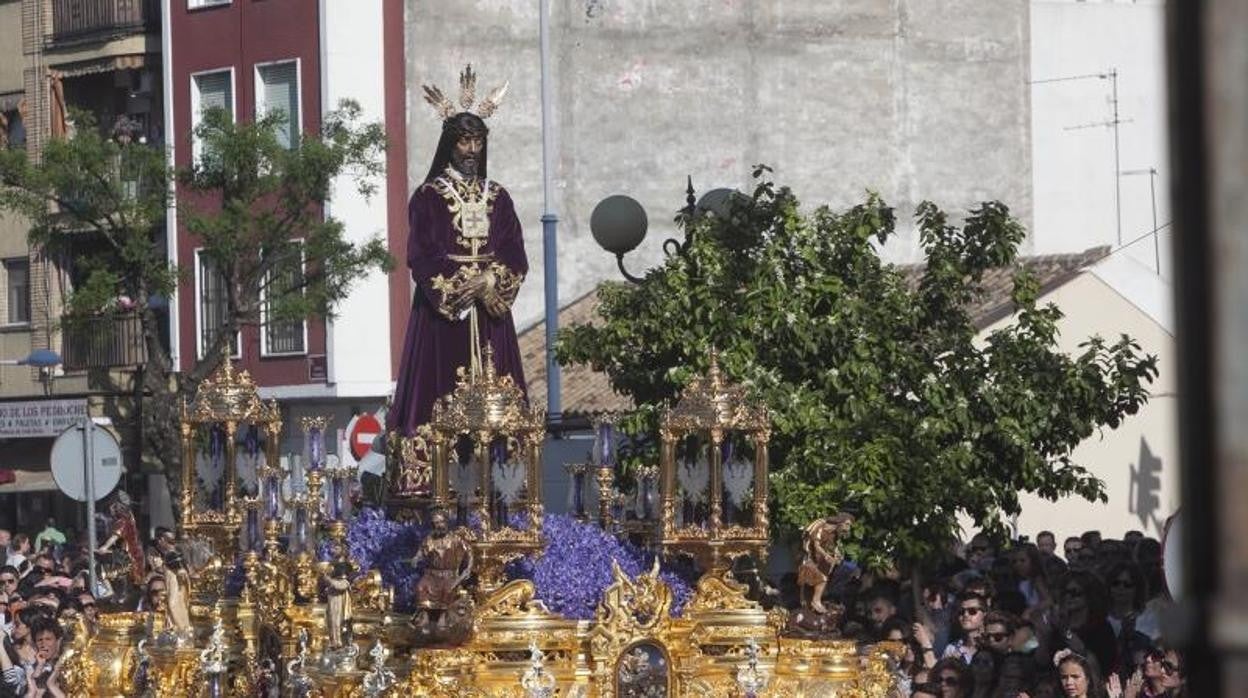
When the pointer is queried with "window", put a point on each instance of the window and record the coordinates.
(286, 337)
(17, 288)
(208, 90)
(12, 129)
(213, 303)
(277, 91)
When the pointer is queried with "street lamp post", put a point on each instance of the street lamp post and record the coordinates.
(550, 254)
(43, 359)
(619, 223)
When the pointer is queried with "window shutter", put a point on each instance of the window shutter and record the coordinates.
(215, 90)
(280, 92)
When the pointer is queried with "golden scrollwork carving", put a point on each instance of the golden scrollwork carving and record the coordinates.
(370, 595)
(516, 598)
(633, 605)
(78, 672)
(412, 473)
(712, 402)
(718, 593)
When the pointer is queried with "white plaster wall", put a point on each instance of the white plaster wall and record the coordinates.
(915, 99)
(1073, 168)
(351, 62)
(1144, 448)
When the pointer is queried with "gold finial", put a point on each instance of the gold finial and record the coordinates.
(467, 87)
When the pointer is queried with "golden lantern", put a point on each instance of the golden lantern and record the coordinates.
(488, 442)
(713, 473)
(211, 508)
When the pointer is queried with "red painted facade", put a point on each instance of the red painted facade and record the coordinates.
(396, 177)
(241, 35)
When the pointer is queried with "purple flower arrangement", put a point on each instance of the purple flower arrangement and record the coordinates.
(570, 577)
(378, 543)
(576, 568)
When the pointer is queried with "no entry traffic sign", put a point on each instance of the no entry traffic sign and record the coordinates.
(365, 429)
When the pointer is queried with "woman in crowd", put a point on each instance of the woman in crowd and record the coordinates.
(954, 678)
(1081, 618)
(1160, 676)
(1079, 675)
(1028, 566)
(20, 636)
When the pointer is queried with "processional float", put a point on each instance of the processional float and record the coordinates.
(276, 604)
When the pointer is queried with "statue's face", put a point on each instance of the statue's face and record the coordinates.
(439, 523)
(466, 155)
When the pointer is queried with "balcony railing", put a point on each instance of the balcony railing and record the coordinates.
(74, 20)
(110, 340)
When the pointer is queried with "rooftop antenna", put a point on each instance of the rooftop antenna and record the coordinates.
(1113, 123)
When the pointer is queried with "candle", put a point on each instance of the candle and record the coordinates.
(301, 530)
(253, 528)
(335, 498)
(272, 496)
(316, 448)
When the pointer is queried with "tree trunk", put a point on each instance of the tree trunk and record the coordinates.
(158, 409)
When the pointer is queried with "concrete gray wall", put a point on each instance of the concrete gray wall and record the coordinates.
(912, 98)
(11, 60)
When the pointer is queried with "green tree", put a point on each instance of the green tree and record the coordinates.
(256, 206)
(881, 396)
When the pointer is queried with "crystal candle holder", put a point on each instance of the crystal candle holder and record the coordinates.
(314, 441)
(578, 490)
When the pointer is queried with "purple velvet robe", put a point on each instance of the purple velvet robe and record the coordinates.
(437, 343)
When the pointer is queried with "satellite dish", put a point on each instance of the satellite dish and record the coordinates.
(69, 463)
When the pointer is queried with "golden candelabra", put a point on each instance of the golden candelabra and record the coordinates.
(210, 517)
(710, 413)
(491, 415)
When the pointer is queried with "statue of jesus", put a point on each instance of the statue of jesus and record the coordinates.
(466, 252)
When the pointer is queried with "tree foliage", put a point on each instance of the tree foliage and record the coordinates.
(256, 207)
(882, 397)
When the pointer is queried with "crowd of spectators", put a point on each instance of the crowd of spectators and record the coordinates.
(44, 589)
(1026, 620)
(1019, 620)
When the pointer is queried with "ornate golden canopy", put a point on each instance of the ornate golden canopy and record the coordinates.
(485, 401)
(711, 402)
(229, 396)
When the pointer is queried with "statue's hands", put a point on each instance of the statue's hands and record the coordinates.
(461, 298)
(495, 305)
(480, 287)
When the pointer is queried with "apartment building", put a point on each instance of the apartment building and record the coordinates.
(299, 57)
(58, 56)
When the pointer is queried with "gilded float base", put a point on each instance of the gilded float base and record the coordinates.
(634, 634)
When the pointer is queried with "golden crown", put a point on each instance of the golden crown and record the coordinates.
(467, 95)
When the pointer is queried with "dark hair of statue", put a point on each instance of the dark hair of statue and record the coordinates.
(452, 128)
